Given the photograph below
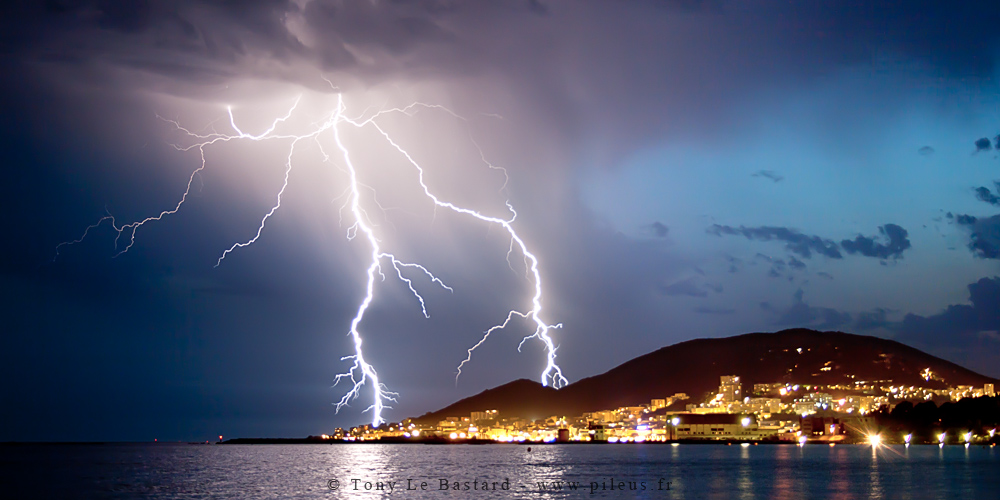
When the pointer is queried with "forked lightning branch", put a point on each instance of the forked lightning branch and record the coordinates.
(326, 135)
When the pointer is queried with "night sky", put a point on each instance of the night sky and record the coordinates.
(681, 169)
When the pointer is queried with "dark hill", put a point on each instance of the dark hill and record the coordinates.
(694, 367)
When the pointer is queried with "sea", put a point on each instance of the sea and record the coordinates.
(625, 471)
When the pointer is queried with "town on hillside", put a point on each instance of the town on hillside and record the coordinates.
(773, 412)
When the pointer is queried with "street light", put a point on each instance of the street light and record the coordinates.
(875, 440)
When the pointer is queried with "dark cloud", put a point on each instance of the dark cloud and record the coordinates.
(659, 229)
(768, 174)
(686, 287)
(796, 263)
(925, 151)
(971, 328)
(825, 275)
(795, 242)
(984, 234)
(984, 194)
(955, 37)
(377, 42)
(960, 36)
(870, 320)
(801, 314)
(715, 287)
(983, 144)
(778, 266)
(804, 245)
(868, 247)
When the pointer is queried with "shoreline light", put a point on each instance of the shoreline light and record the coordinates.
(875, 440)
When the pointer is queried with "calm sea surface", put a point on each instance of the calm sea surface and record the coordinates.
(633, 471)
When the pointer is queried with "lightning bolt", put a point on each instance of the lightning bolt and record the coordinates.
(552, 373)
(360, 371)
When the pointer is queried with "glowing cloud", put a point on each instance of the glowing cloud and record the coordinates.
(361, 371)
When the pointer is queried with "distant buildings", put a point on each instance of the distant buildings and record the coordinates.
(762, 405)
(779, 411)
(730, 389)
(717, 426)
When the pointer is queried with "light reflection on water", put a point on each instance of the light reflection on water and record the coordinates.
(611, 471)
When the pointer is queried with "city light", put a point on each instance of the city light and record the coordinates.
(731, 422)
(875, 440)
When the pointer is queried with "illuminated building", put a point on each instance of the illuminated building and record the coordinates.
(822, 426)
(730, 389)
(768, 389)
(717, 426)
(700, 410)
(989, 390)
(598, 433)
(762, 405)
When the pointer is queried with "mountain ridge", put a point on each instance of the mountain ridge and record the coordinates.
(694, 367)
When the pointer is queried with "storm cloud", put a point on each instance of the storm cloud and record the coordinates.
(801, 314)
(805, 245)
(984, 194)
(867, 246)
(800, 244)
(984, 234)
(982, 315)
(966, 333)
(584, 103)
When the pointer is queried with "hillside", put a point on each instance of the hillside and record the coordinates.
(694, 367)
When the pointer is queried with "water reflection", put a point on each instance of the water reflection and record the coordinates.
(366, 470)
(692, 471)
(744, 480)
(874, 479)
(840, 472)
